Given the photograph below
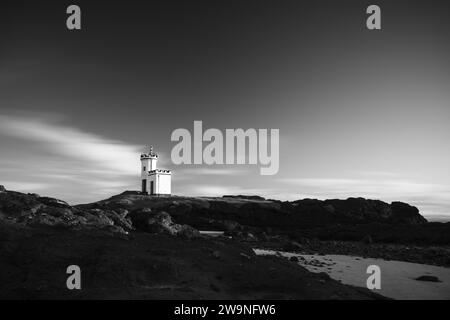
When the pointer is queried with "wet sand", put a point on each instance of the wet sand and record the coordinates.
(397, 277)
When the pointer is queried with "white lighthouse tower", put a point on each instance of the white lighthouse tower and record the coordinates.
(154, 181)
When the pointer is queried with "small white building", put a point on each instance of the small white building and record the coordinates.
(154, 181)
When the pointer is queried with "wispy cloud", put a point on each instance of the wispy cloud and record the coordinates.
(65, 161)
(73, 143)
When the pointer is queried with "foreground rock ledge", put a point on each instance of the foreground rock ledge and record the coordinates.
(151, 266)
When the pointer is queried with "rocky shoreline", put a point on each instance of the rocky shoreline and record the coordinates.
(118, 240)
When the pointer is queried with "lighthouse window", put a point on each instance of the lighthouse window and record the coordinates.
(144, 168)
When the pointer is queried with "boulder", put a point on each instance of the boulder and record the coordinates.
(15, 204)
(153, 222)
(188, 232)
(53, 202)
(160, 222)
(405, 213)
(43, 220)
(2, 188)
(98, 217)
(229, 225)
(120, 219)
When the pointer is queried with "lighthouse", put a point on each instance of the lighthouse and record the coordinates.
(154, 181)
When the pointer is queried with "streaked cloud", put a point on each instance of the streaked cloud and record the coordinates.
(64, 162)
(73, 143)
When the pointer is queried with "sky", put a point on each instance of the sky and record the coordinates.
(361, 113)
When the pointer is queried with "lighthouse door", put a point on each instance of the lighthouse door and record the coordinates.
(151, 187)
(144, 186)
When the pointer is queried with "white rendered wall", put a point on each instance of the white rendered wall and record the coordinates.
(149, 164)
(153, 162)
(161, 183)
(164, 184)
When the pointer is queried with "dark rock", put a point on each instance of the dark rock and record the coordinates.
(160, 222)
(229, 225)
(2, 188)
(53, 202)
(120, 219)
(15, 204)
(55, 211)
(338, 219)
(404, 213)
(293, 259)
(244, 197)
(303, 241)
(153, 222)
(367, 239)
(129, 192)
(142, 266)
(329, 208)
(292, 246)
(99, 217)
(428, 278)
(187, 232)
(263, 236)
(121, 212)
(44, 220)
(244, 218)
(250, 237)
(246, 256)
